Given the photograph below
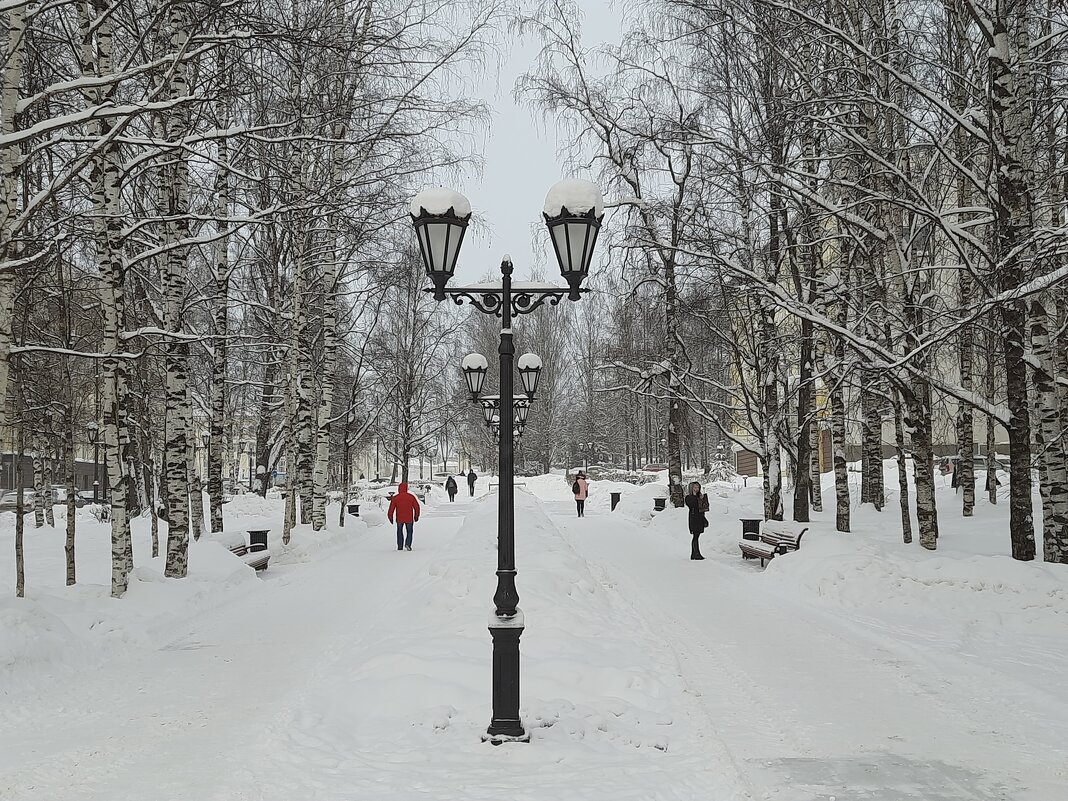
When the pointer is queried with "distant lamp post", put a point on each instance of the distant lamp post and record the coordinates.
(573, 212)
(92, 432)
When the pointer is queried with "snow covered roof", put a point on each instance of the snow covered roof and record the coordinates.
(438, 200)
(575, 195)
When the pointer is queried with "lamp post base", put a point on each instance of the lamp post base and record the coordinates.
(506, 727)
(498, 739)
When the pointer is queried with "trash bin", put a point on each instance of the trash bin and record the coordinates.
(750, 527)
(257, 540)
(354, 508)
(615, 499)
(659, 504)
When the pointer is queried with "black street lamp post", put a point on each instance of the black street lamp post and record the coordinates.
(92, 431)
(573, 212)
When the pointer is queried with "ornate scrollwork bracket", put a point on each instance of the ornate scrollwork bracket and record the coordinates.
(490, 301)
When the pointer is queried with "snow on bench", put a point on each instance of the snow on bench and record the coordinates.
(235, 542)
(257, 560)
(776, 539)
(232, 540)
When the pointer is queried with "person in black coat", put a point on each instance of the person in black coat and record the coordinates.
(471, 479)
(697, 504)
(450, 487)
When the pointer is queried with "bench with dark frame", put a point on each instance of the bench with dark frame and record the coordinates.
(776, 539)
(254, 554)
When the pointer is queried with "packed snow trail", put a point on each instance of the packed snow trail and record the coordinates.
(352, 671)
(364, 673)
(812, 705)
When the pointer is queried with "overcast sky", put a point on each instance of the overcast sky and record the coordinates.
(521, 163)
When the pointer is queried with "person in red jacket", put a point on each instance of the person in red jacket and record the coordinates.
(405, 507)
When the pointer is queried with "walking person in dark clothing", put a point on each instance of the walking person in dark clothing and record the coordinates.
(471, 479)
(405, 507)
(581, 491)
(450, 487)
(697, 504)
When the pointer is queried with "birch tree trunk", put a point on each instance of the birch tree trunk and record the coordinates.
(1049, 440)
(305, 424)
(14, 41)
(815, 444)
(919, 422)
(326, 400)
(263, 429)
(174, 203)
(675, 361)
(38, 485)
(902, 472)
(70, 483)
(105, 180)
(1005, 28)
(20, 522)
(834, 358)
(293, 409)
(221, 270)
(804, 481)
(153, 506)
(769, 399)
(871, 488)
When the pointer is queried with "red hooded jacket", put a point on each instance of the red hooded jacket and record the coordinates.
(404, 505)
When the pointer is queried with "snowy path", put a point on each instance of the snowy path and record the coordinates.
(363, 673)
(167, 723)
(814, 705)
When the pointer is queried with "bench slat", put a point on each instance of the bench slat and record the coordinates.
(782, 535)
(257, 560)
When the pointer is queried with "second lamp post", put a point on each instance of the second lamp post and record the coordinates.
(573, 212)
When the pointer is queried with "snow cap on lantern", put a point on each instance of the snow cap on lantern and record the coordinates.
(575, 196)
(573, 212)
(440, 217)
(439, 200)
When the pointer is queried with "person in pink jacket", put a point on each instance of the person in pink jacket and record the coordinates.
(581, 491)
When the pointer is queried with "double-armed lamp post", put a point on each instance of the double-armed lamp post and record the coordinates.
(573, 212)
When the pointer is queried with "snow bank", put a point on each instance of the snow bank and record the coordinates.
(859, 572)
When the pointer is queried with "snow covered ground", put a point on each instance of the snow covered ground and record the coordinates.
(856, 668)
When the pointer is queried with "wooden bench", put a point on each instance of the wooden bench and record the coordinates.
(234, 541)
(776, 539)
(257, 557)
(257, 560)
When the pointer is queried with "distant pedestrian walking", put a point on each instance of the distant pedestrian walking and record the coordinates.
(405, 507)
(450, 487)
(471, 479)
(581, 490)
(697, 503)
